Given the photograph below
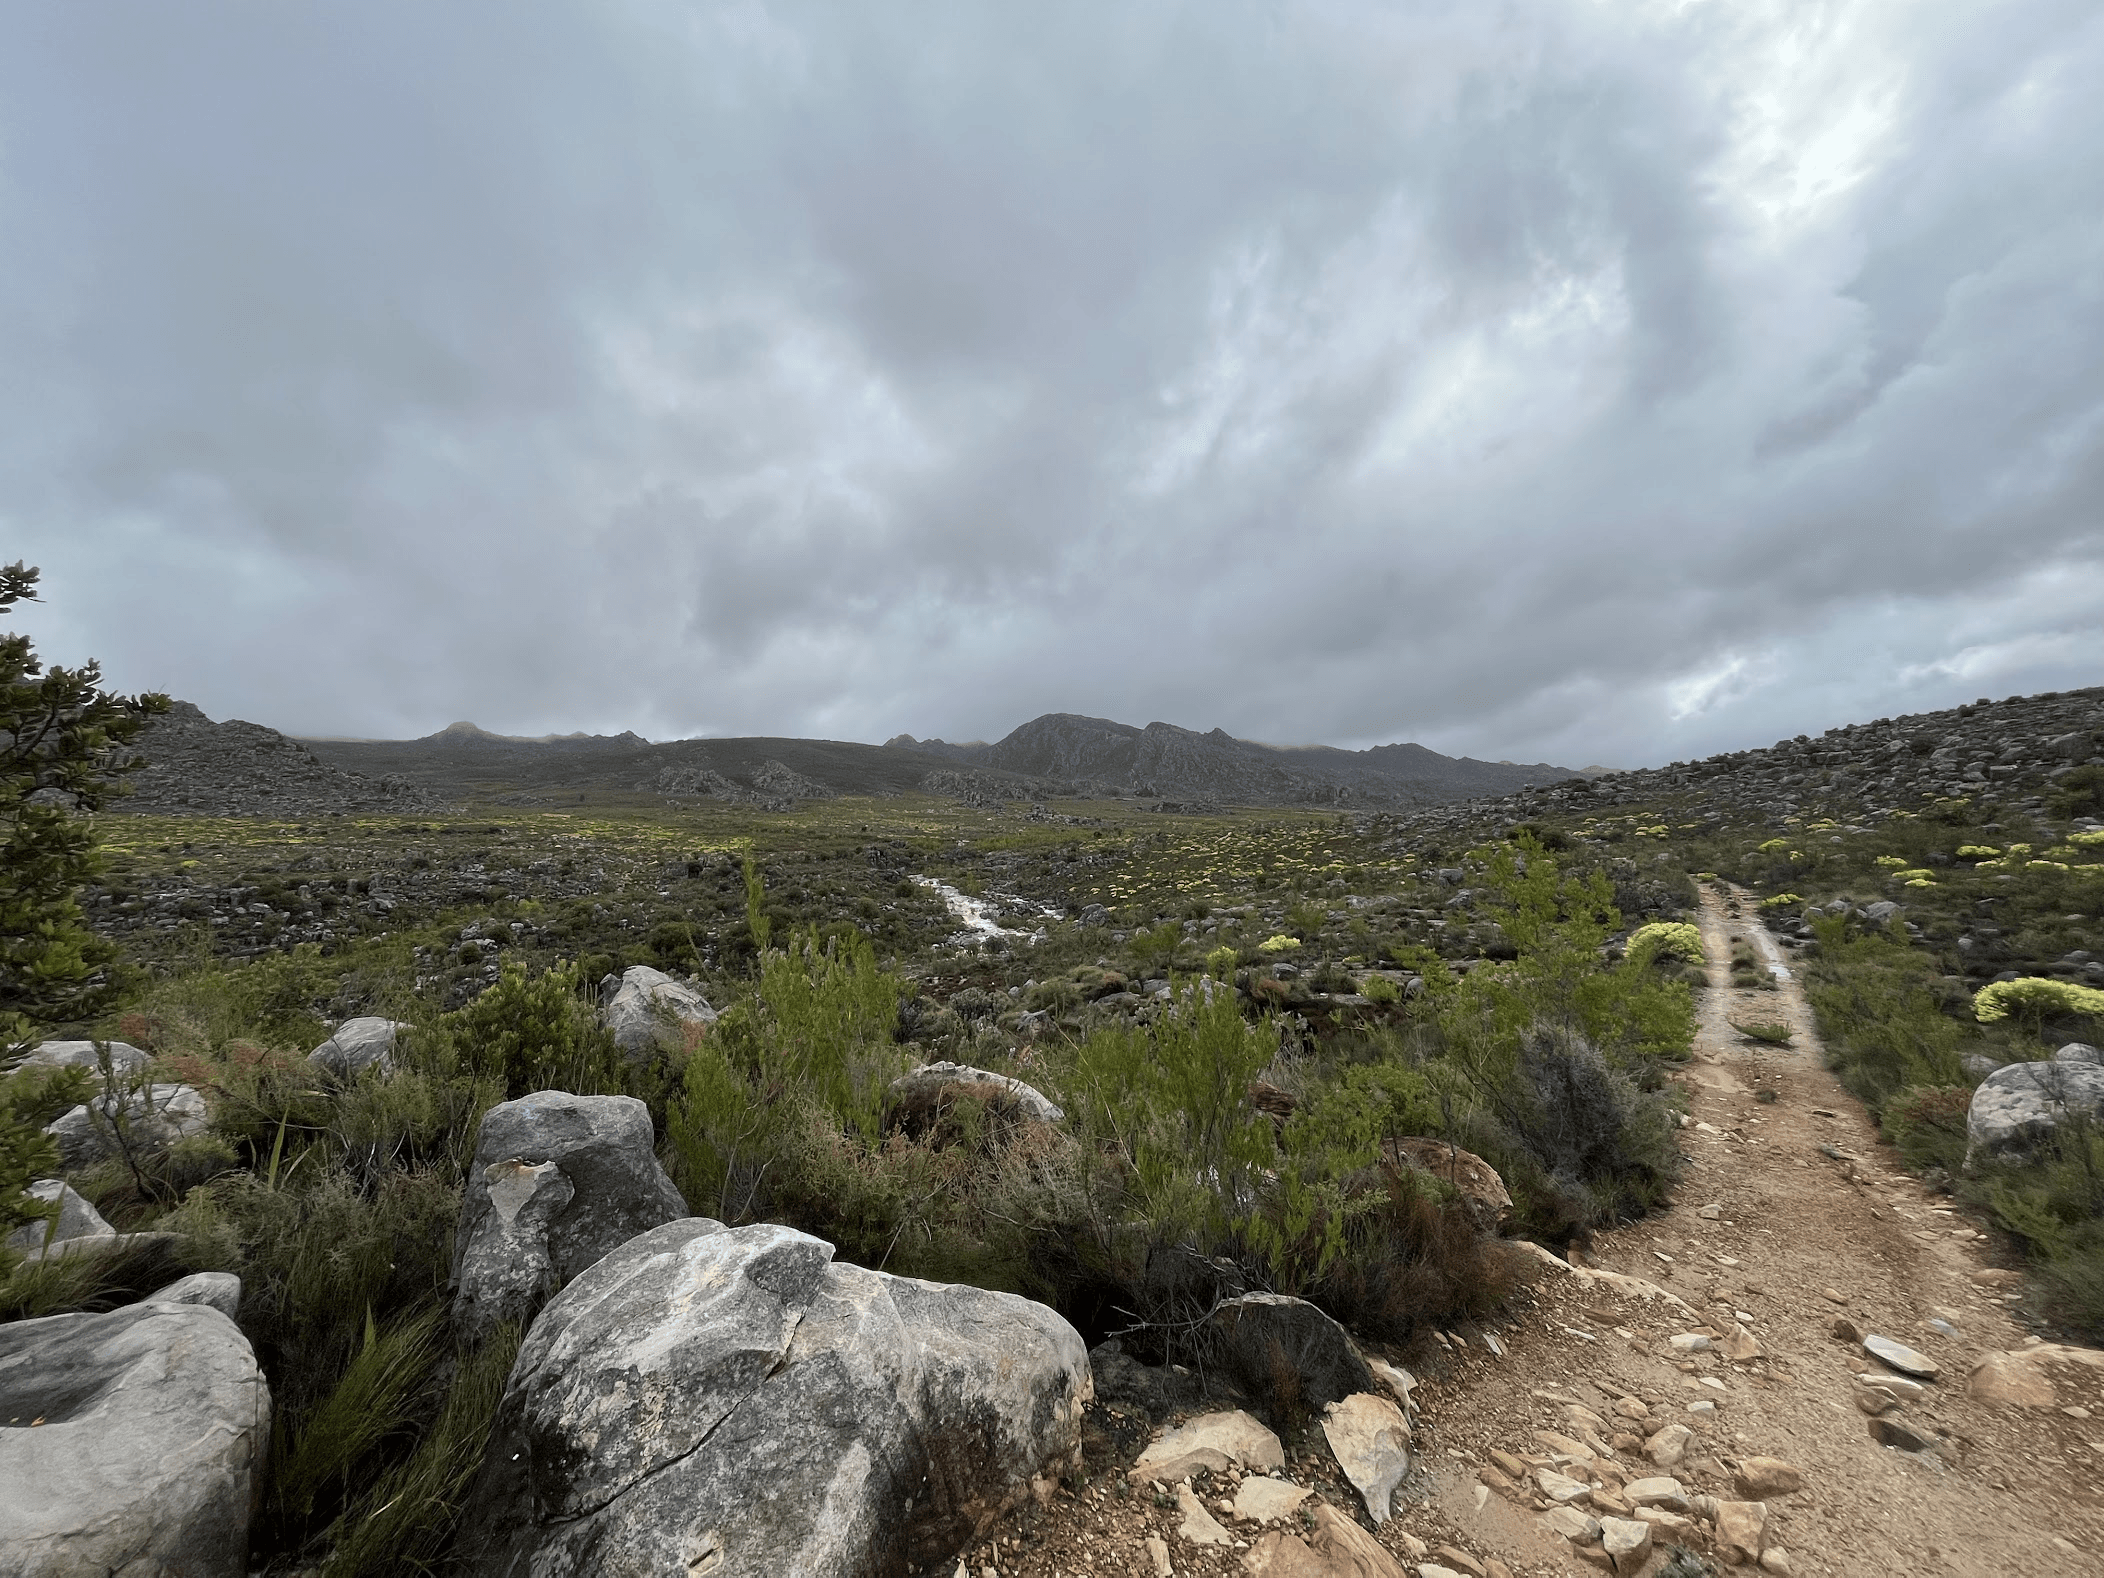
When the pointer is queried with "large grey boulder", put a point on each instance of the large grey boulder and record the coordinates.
(557, 1181)
(124, 1057)
(707, 1400)
(76, 1218)
(920, 1096)
(153, 1117)
(357, 1045)
(643, 1008)
(2021, 1103)
(148, 1458)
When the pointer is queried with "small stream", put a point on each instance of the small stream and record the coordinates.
(977, 915)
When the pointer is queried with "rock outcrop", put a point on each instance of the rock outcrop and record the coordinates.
(1469, 1175)
(645, 1008)
(130, 1443)
(557, 1181)
(708, 1400)
(124, 1057)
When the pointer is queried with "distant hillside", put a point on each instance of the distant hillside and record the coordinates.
(237, 768)
(1165, 761)
(196, 767)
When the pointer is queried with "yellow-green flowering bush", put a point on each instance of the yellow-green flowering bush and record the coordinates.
(1781, 899)
(1971, 852)
(2087, 840)
(1278, 942)
(1914, 874)
(1674, 939)
(1772, 846)
(1894, 862)
(1922, 882)
(2034, 997)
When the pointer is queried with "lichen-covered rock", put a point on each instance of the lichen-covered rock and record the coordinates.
(358, 1044)
(2021, 1103)
(1472, 1178)
(557, 1181)
(644, 1009)
(148, 1457)
(712, 1400)
(150, 1118)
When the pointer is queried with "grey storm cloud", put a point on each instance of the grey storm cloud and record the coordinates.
(1544, 380)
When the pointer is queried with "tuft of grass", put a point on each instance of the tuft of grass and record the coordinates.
(405, 1521)
(1776, 1034)
(317, 1454)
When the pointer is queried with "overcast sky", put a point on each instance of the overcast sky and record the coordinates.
(1546, 379)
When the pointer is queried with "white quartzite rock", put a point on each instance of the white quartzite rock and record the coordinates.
(219, 1290)
(124, 1057)
(919, 1094)
(1371, 1442)
(713, 1401)
(643, 1007)
(149, 1456)
(557, 1181)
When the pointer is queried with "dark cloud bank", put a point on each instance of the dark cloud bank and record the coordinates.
(1544, 380)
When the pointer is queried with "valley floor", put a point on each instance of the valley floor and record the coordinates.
(1810, 1220)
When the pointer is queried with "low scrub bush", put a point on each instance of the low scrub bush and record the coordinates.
(1880, 1014)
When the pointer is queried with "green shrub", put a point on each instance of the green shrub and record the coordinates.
(2033, 1000)
(1880, 1014)
(535, 1033)
(1927, 1126)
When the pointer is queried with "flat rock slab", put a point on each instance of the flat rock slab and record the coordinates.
(1212, 1442)
(1260, 1500)
(130, 1443)
(2022, 1378)
(1900, 1357)
(1335, 1548)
